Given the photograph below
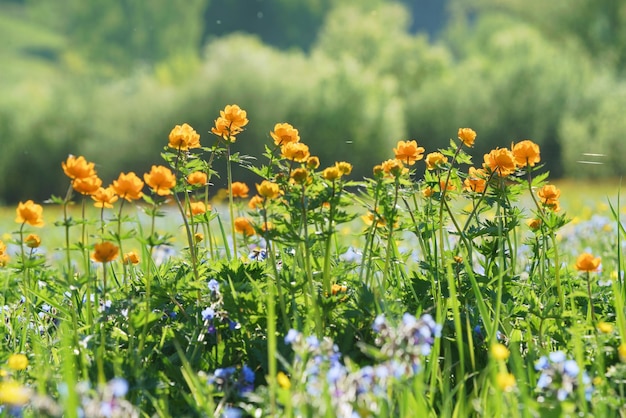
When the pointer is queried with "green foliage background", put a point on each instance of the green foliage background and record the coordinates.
(109, 79)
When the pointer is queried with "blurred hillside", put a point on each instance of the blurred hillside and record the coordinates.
(108, 79)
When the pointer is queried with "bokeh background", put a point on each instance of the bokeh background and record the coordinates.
(108, 79)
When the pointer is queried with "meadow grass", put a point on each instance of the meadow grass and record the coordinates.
(480, 292)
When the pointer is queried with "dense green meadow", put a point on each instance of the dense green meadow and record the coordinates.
(476, 289)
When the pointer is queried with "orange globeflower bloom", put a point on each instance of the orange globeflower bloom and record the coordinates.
(131, 257)
(534, 224)
(467, 136)
(222, 129)
(240, 189)
(78, 168)
(104, 252)
(104, 198)
(32, 241)
(87, 185)
(435, 160)
(587, 262)
(393, 167)
(197, 178)
(526, 153)
(300, 175)
(344, 168)
(313, 162)
(475, 181)
(236, 116)
(449, 187)
(549, 196)
(428, 192)
(268, 190)
(198, 208)
(408, 152)
(4, 257)
(378, 170)
(255, 202)
(128, 186)
(284, 133)
(500, 161)
(29, 212)
(244, 226)
(160, 179)
(295, 151)
(184, 137)
(331, 173)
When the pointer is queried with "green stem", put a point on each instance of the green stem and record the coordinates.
(230, 200)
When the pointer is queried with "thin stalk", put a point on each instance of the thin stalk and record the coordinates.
(230, 200)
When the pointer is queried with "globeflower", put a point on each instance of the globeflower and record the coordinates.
(239, 189)
(184, 137)
(244, 226)
(467, 136)
(435, 160)
(393, 168)
(32, 241)
(587, 262)
(408, 152)
(313, 162)
(331, 173)
(160, 179)
(29, 212)
(87, 185)
(198, 208)
(128, 186)
(104, 198)
(197, 178)
(549, 196)
(131, 257)
(230, 123)
(300, 175)
(526, 153)
(500, 161)
(295, 151)
(13, 393)
(4, 257)
(284, 133)
(344, 168)
(255, 202)
(475, 181)
(268, 190)
(17, 362)
(78, 167)
(104, 252)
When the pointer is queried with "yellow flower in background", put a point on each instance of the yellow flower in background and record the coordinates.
(198, 208)
(587, 262)
(428, 192)
(295, 151)
(198, 237)
(128, 186)
(475, 181)
(449, 187)
(370, 217)
(534, 224)
(605, 327)
(197, 178)
(78, 167)
(526, 153)
(29, 212)
(300, 175)
(549, 197)
(184, 137)
(435, 160)
(505, 381)
(240, 189)
(32, 241)
(13, 393)
(408, 152)
(131, 257)
(87, 185)
(331, 173)
(160, 179)
(268, 190)
(244, 226)
(500, 161)
(344, 167)
(284, 133)
(255, 202)
(104, 252)
(283, 381)
(378, 170)
(500, 352)
(313, 162)
(104, 198)
(393, 167)
(467, 136)
(621, 351)
(4, 257)
(17, 362)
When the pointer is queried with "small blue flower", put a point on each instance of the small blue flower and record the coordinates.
(208, 313)
(119, 387)
(214, 285)
(247, 373)
(570, 367)
(291, 336)
(312, 341)
(557, 357)
(378, 323)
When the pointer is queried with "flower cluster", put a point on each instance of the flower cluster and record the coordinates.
(214, 315)
(560, 377)
(233, 381)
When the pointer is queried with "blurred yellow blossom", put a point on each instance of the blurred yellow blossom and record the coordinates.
(29, 212)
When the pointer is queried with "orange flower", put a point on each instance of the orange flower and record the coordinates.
(255, 202)
(500, 161)
(300, 175)
(78, 168)
(244, 227)
(526, 153)
(449, 187)
(587, 262)
(32, 241)
(534, 224)
(197, 178)
(239, 189)
(87, 185)
(104, 198)
(476, 180)
(428, 192)
(4, 257)
(222, 130)
(284, 133)
(184, 137)
(331, 173)
(549, 196)
(408, 152)
(131, 257)
(29, 212)
(371, 217)
(313, 162)
(198, 208)
(378, 170)
(467, 136)
(344, 168)
(435, 160)
(393, 168)
(295, 151)
(230, 122)
(128, 186)
(268, 190)
(104, 252)
(160, 179)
